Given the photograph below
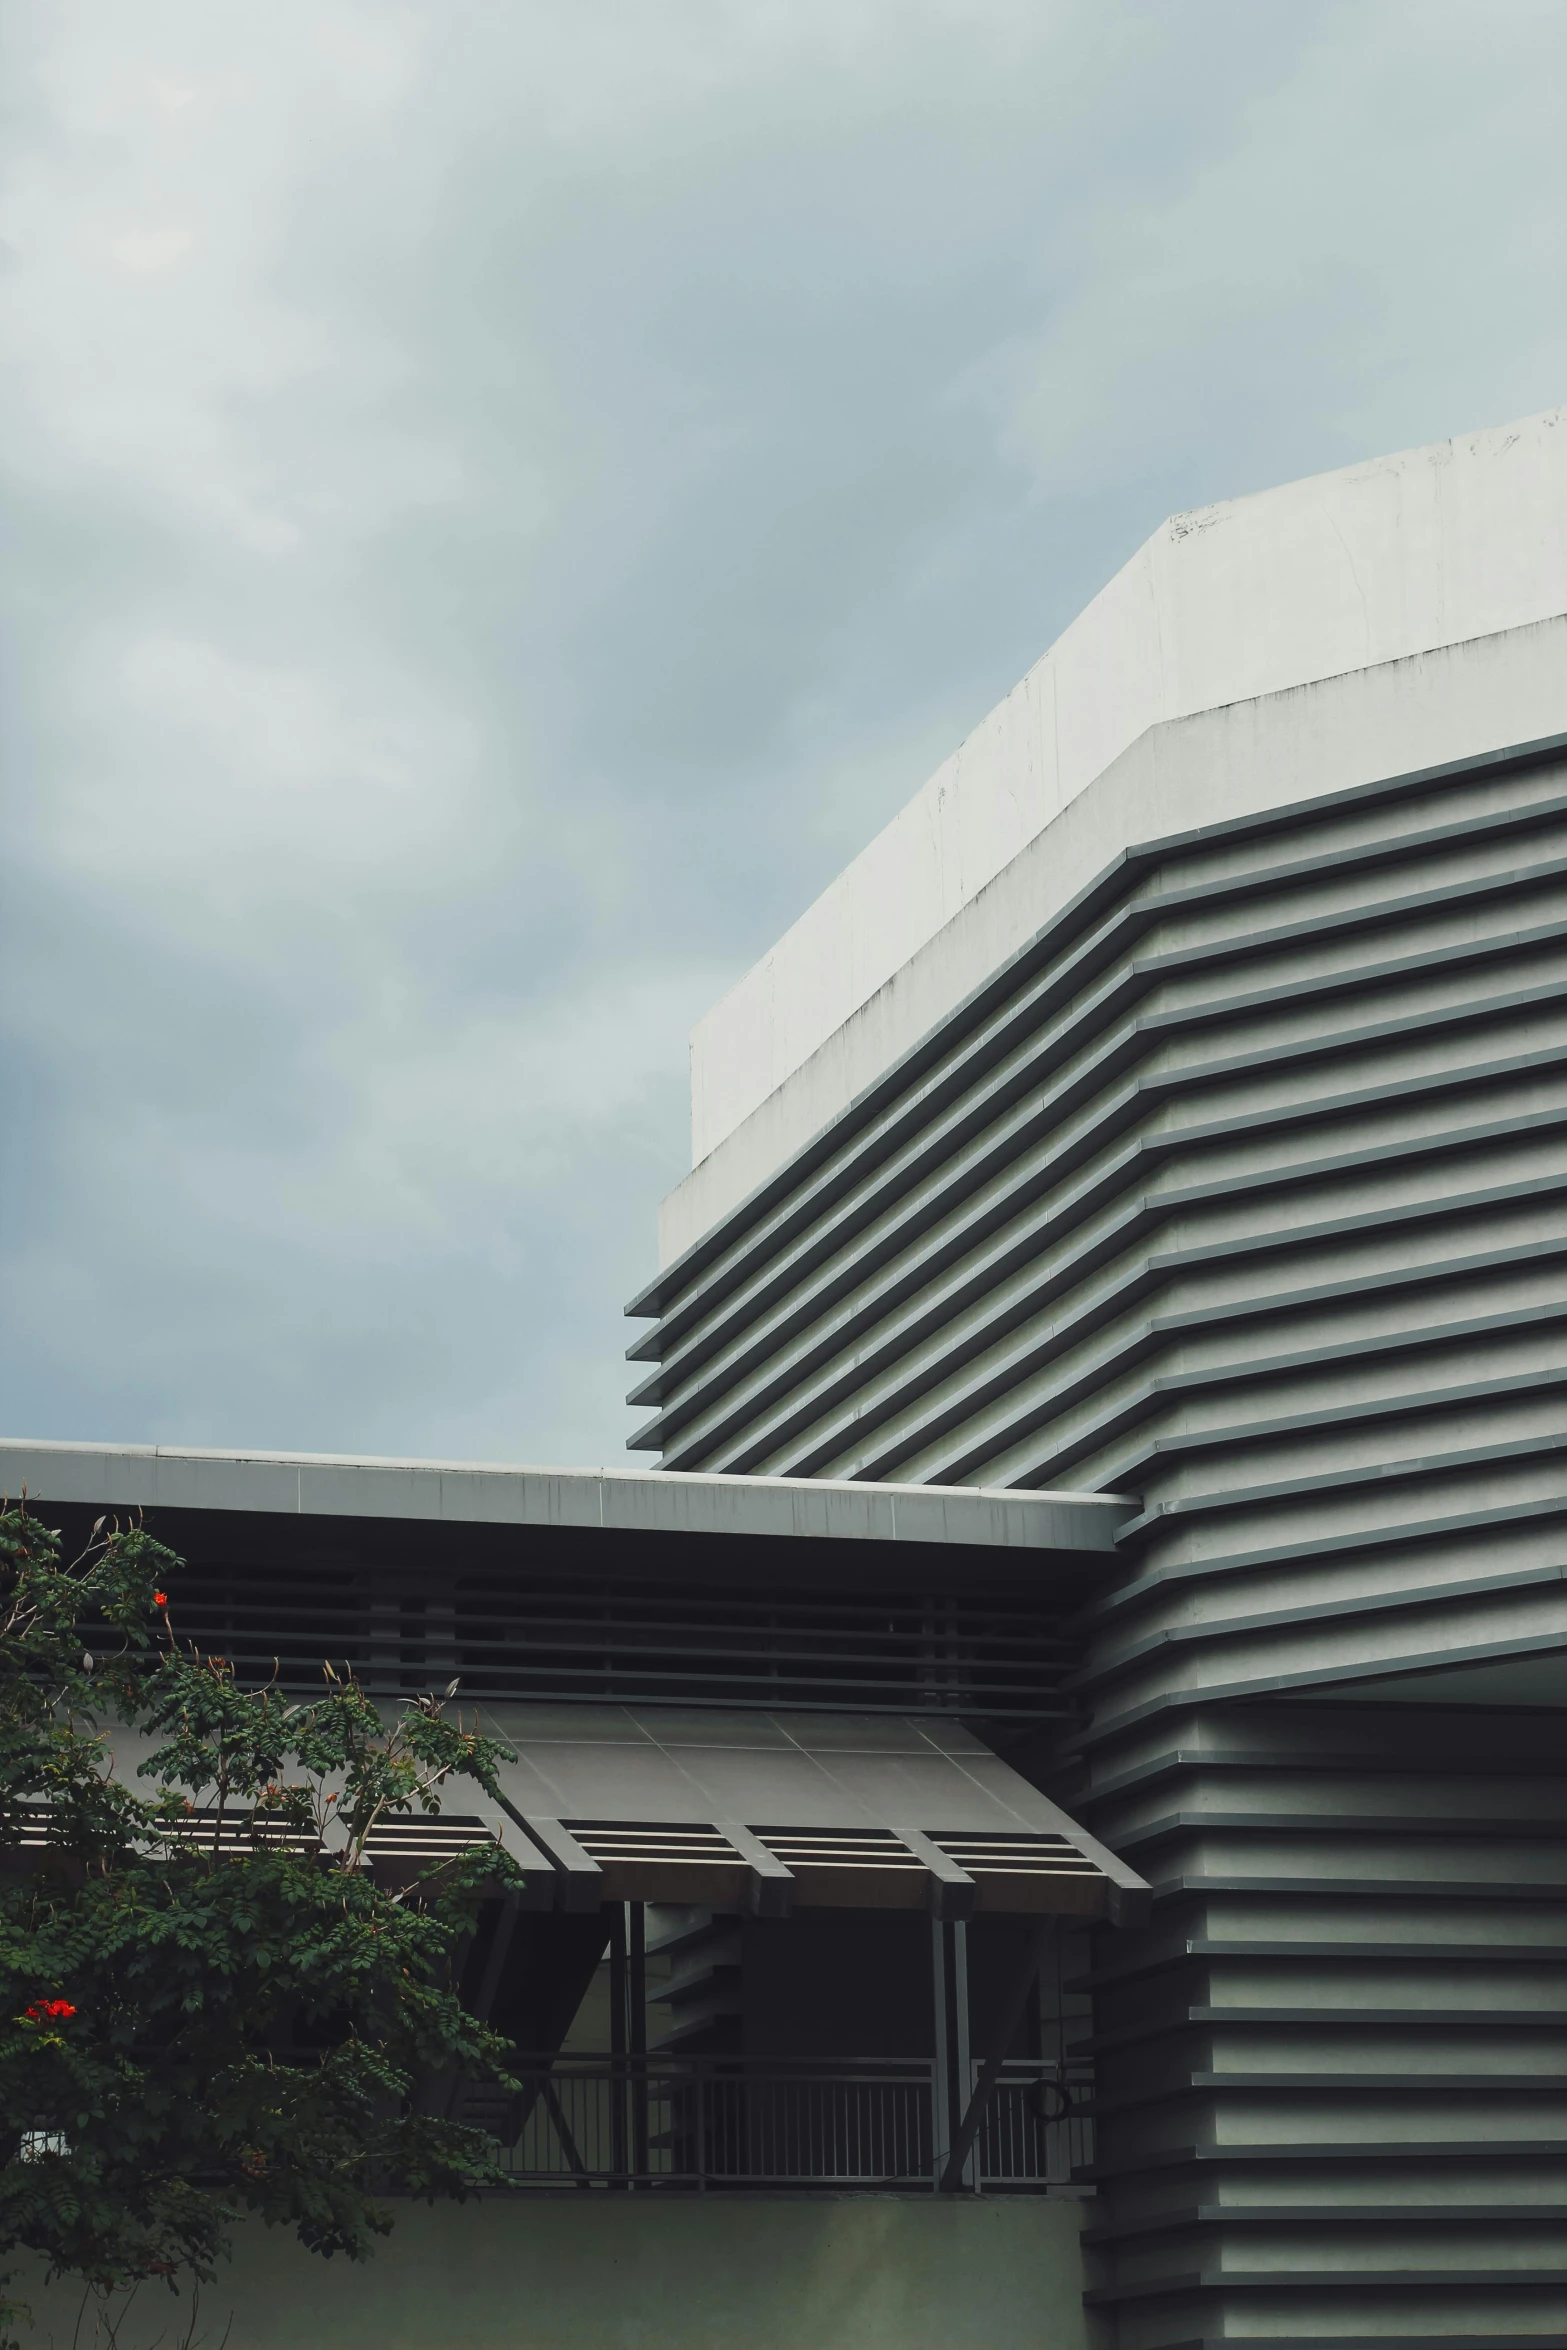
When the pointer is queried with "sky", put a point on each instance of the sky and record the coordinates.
(501, 499)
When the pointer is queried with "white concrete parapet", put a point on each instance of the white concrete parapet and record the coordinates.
(1264, 615)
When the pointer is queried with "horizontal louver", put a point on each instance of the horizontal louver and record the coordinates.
(988, 1652)
(1243, 1189)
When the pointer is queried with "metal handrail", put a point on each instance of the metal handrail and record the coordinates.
(711, 2121)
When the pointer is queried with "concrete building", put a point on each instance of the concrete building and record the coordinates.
(1069, 1738)
(1170, 1103)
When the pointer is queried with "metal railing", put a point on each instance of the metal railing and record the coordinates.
(1036, 2131)
(698, 2122)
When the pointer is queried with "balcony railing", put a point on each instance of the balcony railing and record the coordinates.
(693, 2123)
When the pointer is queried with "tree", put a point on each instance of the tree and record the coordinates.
(209, 2007)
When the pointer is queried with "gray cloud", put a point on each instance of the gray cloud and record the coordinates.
(501, 502)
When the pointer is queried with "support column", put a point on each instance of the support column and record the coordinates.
(636, 1999)
(940, 2083)
(953, 2069)
(619, 2148)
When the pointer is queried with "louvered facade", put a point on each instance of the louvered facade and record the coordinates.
(1240, 1190)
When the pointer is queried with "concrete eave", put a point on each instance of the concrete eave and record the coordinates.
(135, 1477)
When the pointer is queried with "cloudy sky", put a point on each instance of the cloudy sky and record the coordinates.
(501, 498)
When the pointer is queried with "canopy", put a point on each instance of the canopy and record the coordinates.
(740, 1809)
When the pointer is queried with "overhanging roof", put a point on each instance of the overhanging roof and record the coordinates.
(606, 1587)
(650, 1502)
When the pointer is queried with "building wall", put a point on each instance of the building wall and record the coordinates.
(1242, 1190)
(606, 2272)
(1332, 2075)
(1270, 1133)
(1184, 776)
(1367, 571)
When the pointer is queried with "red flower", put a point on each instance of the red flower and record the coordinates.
(160, 1599)
(49, 2011)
